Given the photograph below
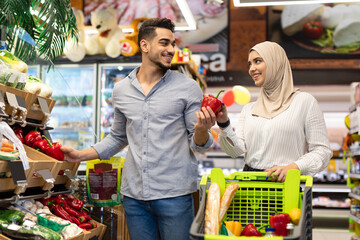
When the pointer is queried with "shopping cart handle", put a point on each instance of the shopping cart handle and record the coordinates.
(246, 176)
(307, 179)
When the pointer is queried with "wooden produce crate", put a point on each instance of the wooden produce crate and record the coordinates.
(31, 100)
(2, 237)
(99, 231)
(81, 236)
(7, 183)
(40, 161)
(58, 165)
(34, 111)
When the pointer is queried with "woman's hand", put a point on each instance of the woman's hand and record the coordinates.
(222, 115)
(279, 172)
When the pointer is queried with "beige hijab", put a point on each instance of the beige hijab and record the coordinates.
(278, 90)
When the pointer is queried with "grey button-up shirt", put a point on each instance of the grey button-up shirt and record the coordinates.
(159, 129)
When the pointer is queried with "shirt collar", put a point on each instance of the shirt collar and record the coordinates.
(133, 73)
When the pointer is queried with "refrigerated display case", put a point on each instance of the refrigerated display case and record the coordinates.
(73, 116)
(109, 75)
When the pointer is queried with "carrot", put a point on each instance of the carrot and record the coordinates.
(7, 149)
(7, 144)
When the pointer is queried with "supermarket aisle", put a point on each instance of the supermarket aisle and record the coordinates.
(331, 234)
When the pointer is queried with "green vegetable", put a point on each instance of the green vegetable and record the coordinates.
(46, 233)
(13, 61)
(11, 216)
(3, 224)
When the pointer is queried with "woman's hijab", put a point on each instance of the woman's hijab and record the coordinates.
(278, 90)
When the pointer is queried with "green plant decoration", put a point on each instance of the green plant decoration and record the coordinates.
(37, 28)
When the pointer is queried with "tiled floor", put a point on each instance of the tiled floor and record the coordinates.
(331, 234)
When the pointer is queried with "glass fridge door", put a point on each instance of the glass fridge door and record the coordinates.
(109, 75)
(74, 112)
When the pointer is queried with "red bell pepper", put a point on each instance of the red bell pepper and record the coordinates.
(88, 226)
(74, 202)
(213, 102)
(279, 222)
(41, 145)
(19, 133)
(54, 150)
(250, 230)
(32, 137)
(60, 212)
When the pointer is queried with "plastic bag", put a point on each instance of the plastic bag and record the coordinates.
(5, 130)
(103, 178)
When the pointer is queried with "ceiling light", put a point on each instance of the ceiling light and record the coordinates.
(255, 3)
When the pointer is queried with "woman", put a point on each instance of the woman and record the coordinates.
(284, 129)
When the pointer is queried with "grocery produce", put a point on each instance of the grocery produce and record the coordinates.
(11, 216)
(73, 202)
(313, 30)
(13, 61)
(295, 215)
(19, 133)
(54, 150)
(279, 222)
(32, 137)
(250, 230)
(213, 102)
(234, 227)
(41, 145)
(88, 225)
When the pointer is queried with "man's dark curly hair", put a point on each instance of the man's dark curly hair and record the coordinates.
(147, 28)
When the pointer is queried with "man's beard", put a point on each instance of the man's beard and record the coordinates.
(160, 64)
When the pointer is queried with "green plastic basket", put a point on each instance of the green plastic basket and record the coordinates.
(256, 200)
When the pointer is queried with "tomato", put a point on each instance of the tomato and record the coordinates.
(313, 30)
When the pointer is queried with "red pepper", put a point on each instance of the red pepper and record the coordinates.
(73, 212)
(73, 202)
(88, 225)
(250, 230)
(32, 137)
(41, 145)
(54, 200)
(75, 220)
(19, 133)
(213, 102)
(54, 150)
(86, 214)
(279, 222)
(60, 212)
(83, 219)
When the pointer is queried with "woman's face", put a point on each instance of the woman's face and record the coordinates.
(257, 68)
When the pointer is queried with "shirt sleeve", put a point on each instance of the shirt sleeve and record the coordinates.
(194, 104)
(116, 140)
(319, 152)
(231, 142)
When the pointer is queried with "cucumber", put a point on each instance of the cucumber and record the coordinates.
(46, 233)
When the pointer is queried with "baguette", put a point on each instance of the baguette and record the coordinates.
(212, 210)
(227, 198)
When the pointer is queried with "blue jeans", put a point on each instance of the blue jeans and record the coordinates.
(165, 219)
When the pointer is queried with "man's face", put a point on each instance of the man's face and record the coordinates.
(161, 49)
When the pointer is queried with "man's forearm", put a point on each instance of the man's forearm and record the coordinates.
(88, 154)
(201, 137)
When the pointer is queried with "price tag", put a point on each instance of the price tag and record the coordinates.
(21, 101)
(18, 173)
(46, 175)
(12, 100)
(2, 102)
(69, 175)
(12, 79)
(43, 105)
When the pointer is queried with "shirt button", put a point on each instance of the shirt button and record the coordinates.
(144, 153)
(144, 135)
(144, 171)
(145, 118)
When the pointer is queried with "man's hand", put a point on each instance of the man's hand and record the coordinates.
(73, 155)
(279, 172)
(206, 119)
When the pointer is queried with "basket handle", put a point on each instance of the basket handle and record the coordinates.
(307, 179)
(246, 176)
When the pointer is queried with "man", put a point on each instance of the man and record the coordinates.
(156, 113)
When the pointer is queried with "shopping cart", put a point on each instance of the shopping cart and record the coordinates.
(256, 200)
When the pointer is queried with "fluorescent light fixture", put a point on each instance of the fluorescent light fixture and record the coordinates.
(255, 3)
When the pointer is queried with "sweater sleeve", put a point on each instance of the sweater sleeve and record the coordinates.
(319, 153)
(231, 142)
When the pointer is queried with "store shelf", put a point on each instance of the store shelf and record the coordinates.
(354, 175)
(335, 188)
(353, 195)
(356, 219)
